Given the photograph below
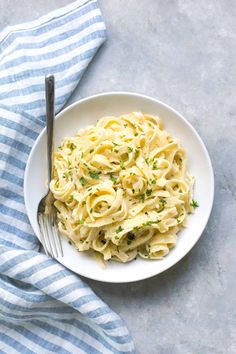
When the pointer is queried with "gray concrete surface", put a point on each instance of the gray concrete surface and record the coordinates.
(182, 52)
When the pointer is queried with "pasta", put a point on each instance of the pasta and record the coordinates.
(122, 188)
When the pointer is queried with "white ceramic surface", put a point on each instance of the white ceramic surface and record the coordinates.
(86, 112)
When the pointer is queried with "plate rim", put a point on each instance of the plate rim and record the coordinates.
(194, 131)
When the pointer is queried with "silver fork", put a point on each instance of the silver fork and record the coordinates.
(47, 215)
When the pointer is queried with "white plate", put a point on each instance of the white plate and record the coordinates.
(86, 112)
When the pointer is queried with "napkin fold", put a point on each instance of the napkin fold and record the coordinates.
(44, 308)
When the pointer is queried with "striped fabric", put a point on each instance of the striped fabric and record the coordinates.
(44, 308)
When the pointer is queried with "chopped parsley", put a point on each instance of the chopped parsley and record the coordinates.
(154, 166)
(136, 154)
(71, 146)
(146, 160)
(162, 203)
(122, 165)
(90, 151)
(83, 181)
(130, 149)
(133, 191)
(116, 151)
(82, 155)
(119, 229)
(136, 228)
(67, 174)
(150, 223)
(148, 192)
(59, 148)
(91, 210)
(70, 199)
(125, 125)
(70, 243)
(132, 174)
(142, 197)
(194, 204)
(136, 134)
(115, 144)
(81, 221)
(83, 202)
(94, 174)
(112, 178)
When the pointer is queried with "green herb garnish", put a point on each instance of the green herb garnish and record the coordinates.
(83, 181)
(162, 201)
(194, 204)
(90, 151)
(112, 178)
(150, 223)
(119, 229)
(67, 174)
(122, 165)
(71, 146)
(148, 192)
(136, 154)
(154, 166)
(130, 149)
(142, 197)
(81, 221)
(94, 174)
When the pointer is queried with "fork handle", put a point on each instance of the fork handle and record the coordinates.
(50, 113)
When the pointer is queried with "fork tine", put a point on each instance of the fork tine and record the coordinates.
(45, 232)
(57, 237)
(42, 235)
(52, 236)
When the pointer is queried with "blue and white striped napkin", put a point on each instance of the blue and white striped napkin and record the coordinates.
(44, 308)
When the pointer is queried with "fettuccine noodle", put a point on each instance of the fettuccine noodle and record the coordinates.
(122, 188)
